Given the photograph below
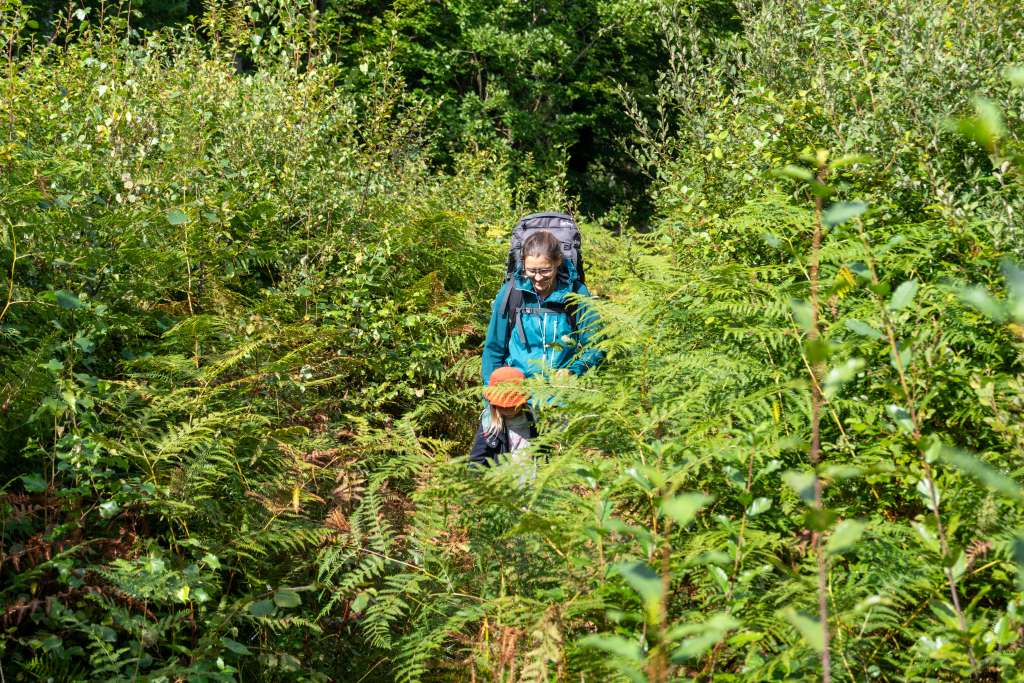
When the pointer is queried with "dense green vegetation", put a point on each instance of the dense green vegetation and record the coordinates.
(247, 262)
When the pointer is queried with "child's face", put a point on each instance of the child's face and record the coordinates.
(508, 412)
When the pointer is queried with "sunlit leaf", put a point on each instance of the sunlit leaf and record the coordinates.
(285, 597)
(802, 483)
(982, 471)
(841, 212)
(903, 296)
(758, 506)
(614, 645)
(808, 627)
(684, 507)
(862, 328)
(844, 536)
(177, 217)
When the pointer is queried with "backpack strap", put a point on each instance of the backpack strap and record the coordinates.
(510, 309)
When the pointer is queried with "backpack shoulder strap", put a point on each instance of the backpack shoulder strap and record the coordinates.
(510, 309)
(570, 308)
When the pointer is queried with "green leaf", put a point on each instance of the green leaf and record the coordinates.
(285, 597)
(845, 536)
(1015, 283)
(862, 328)
(850, 160)
(615, 645)
(53, 365)
(1015, 74)
(901, 417)
(808, 627)
(841, 374)
(360, 602)
(758, 506)
(982, 471)
(261, 608)
(979, 299)
(802, 483)
(817, 350)
(802, 314)
(66, 299)
(235, 646)
(702, 636)
(819, 520)
(903, 296)
(925, 490)
(795, 172)
(841, 212)
(33, 483)
(647, 584)
(684, 507)
(177, 217)
(109, 509)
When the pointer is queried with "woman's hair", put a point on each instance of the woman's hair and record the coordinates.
(542, 243)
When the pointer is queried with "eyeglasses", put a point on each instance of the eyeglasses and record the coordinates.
(543, 272)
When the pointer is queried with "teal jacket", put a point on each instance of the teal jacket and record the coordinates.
(550, 343)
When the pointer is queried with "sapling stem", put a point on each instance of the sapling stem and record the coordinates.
(817, 399)
(929, 479)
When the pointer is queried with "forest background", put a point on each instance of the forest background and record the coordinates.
(248, 251)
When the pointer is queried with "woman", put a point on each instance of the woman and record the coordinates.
(547, 333)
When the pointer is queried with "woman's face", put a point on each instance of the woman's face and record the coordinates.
(541, 270)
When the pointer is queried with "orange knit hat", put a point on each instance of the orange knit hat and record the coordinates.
(503, 389)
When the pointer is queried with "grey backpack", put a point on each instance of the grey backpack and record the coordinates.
(561, 225)
(565, 230)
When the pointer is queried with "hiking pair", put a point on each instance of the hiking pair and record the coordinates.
(540, 323)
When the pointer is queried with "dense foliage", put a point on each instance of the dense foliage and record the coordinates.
(247, 263)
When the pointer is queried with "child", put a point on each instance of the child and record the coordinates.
(506, 425)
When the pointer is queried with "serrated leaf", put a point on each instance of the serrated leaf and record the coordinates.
(287, 598)
(235, 646)
(66, 299)
(808, 627)
(862, 328)
(261, 608)
(177, 217)
(684, 507)
(841, 212)
(845, 536)
(903, 296)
